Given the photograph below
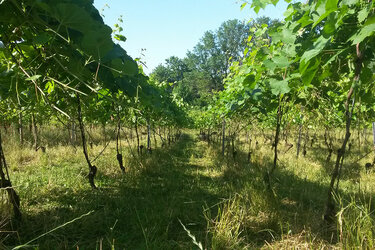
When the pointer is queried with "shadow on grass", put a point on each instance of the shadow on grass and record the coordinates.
(141, 210)
(295, 205)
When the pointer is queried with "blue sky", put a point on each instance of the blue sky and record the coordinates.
(172, 27)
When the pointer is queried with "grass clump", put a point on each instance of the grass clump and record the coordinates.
(356, 223)
(227, 227)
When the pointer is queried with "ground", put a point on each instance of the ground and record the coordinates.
(183, 196)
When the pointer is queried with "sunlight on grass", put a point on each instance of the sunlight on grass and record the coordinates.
(222, 202)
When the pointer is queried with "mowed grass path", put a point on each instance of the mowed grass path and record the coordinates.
(223, 203)
(139, 210)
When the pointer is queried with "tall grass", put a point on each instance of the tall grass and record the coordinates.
(184, 196)
(227, 227)
(356, 223)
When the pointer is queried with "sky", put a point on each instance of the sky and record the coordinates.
(168, 28)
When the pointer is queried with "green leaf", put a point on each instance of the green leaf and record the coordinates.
(349, 2)
(290, 10)
(72, 16)
(33, 78)
(281, 61)
(50, 87)
(363, 14)
(130, 67)
(288, 36)
(367, 30)
(366, 75)
(120, 38)
(309, 69)
(246, 51)
(290, 50)
(269, 64)
(274, 2)
(259, 4)
(279, 87)
(330, 25)
(318, 46)
(98, 41)
(294, 76)
(305, 20)
(276, 36)
(330, 6)
(285, 35)
(249, 81)
(42, 38)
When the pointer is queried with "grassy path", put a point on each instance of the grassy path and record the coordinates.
(137, 211)
(223, 203)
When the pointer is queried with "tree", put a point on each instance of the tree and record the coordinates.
(216, 49)
(172, 72)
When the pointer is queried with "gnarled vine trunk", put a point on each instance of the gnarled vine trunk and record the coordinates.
(330, 204)
(92, 168)
(223, 139)
(119, 155)
(34, 131)
(277, 134)
(6, 184)
(149, 149)
(268, 175)
(137, 134)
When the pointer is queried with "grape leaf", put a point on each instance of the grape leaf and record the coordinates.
(363, 14)
(367, 30)
(309, 69)
(279, 87)
(318, 46)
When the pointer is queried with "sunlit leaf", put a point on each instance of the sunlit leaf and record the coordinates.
(367, 30)
(33, 78)
(318, 46)
(279, 87)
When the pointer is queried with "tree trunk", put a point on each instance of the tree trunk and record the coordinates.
(299, 139)
(234, 152)
(359, 127)
(268, 175)
(92, 168)
(223, 139)
(73, 135)
(5, 183)
(249, 140)
(330, 204)
(208, 135)
(277, 134)
(137, 135)
(20, 128)
(34, 131)
(119, 155)
(304, 152)
(149, 150)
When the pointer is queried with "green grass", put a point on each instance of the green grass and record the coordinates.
(184, 195)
